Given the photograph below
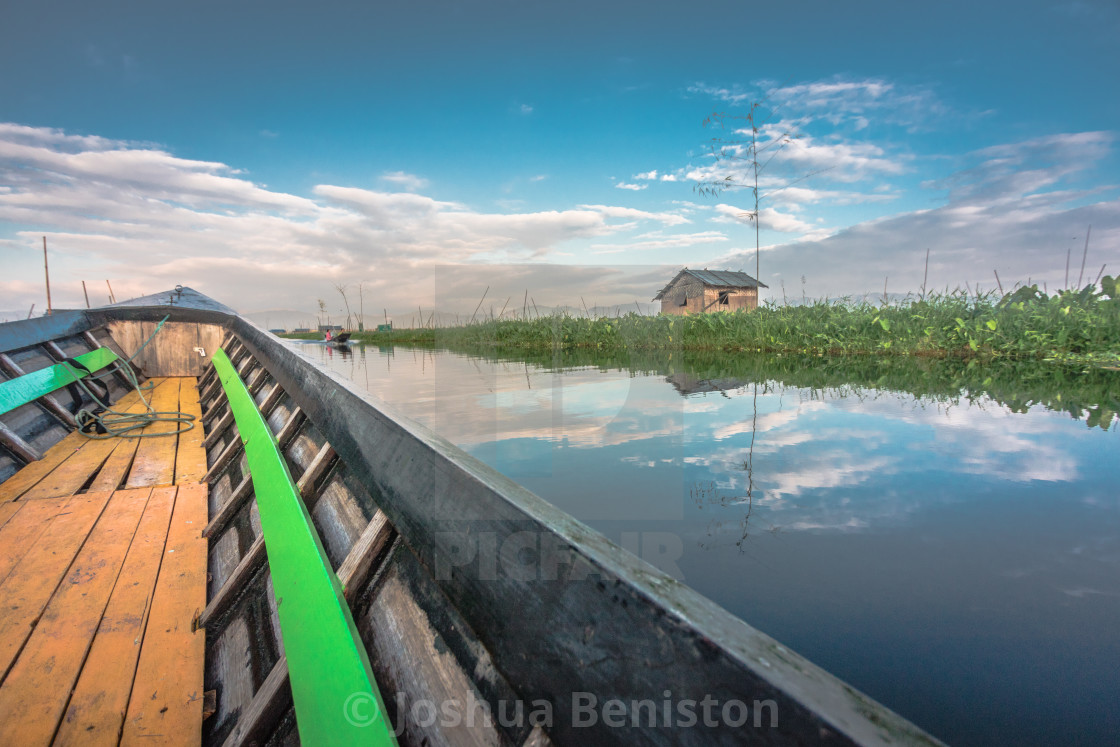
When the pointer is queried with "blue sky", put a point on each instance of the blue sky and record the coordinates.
(265, 152)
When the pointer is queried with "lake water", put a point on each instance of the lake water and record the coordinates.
(946, 541)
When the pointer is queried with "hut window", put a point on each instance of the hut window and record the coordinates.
(684, 299)
(723, 298)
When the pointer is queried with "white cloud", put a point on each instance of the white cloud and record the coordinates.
(613, 211)
(658, 240)
(148, 220)
(733, 95)
(632, 187)
(404, 180)
(770, 219)
(526, 109)
(647, 176)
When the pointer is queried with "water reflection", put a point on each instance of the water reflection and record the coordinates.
(946, 537)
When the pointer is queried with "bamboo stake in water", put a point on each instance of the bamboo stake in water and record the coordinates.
(1083, 256)
(925, 276)
(47, 272)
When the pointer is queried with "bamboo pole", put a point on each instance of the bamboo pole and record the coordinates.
(86, 293)
(47, 273)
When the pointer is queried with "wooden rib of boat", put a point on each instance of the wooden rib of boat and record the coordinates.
(306, 567)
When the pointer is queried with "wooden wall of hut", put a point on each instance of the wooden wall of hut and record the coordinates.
(690, 296)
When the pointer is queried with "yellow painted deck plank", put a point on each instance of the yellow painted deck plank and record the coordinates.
(115, 469)
(190, 460)
(31, 474)
(97, 706)
(7, 510)
(154, 464)
(166, 702)
(37, 688)
(24, 527)
(28, 477)
(69, 477)
(30, 585)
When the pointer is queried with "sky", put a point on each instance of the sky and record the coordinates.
(267, 154)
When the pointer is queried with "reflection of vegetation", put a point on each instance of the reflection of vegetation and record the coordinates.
(1027, 324)
(706, 493)
(1086, 393)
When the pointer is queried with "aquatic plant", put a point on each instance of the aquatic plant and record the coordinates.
(1081, 326)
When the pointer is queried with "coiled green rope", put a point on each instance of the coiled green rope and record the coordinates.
(105, 422)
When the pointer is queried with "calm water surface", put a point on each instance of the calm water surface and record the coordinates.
(955, 557)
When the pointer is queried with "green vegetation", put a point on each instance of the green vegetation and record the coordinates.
(1072, 326)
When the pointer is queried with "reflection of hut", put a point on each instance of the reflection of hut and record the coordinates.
(695, 291)
(686, 383)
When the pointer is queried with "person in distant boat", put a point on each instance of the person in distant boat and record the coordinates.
(328, 335)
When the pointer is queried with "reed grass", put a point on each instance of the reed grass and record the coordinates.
(1080, 326)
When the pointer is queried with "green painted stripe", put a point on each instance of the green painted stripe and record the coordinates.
(30, 387)
(335, 695)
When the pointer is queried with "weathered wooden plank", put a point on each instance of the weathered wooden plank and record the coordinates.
(190, 457)
(212, 400)
(217, 429)
(115, 469)
(232, 449)
(358, 566)
(12, 441)
(23, 529)
(172, 351)
(232, 661)
(69, 477)
(154, 464)
(257, 380)
(97, 707)
(270, 400)
(411, 656)
(235, 584)
(230, 507)
(36, 470)
(32, 582)
(288, 430)
(318, 467)
(166, 702)
(37, 688)
(268, 705)
(7, 510)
